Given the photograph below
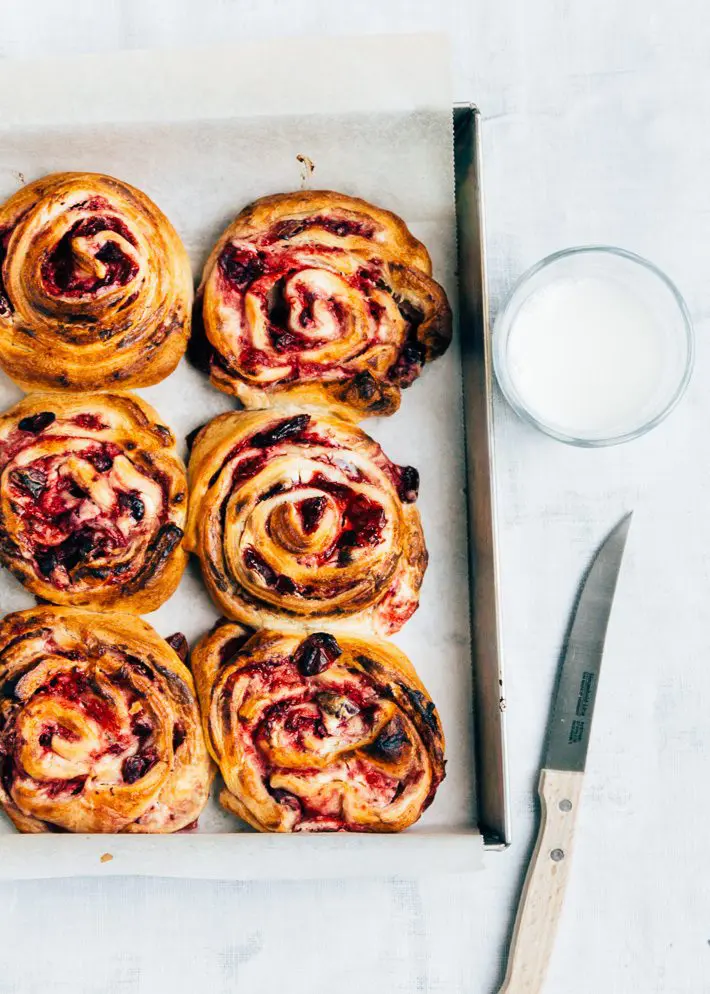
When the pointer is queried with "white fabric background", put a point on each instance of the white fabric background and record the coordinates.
(596, 130)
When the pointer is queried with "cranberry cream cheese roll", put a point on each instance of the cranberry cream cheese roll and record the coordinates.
(93, 500)
(95, 286)
(321, 300)
(99, 726)
(301, 521)
(318, 733)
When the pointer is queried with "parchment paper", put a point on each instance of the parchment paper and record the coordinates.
(204, 133)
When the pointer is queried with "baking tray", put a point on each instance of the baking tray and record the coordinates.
(221, 849)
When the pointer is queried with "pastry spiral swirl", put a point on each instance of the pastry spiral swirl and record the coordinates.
(93, 500)
(301, 521)
(319, 299)
(95, 286)
(318, 734)
(99, 726)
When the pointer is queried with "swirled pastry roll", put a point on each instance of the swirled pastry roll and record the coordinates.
(301, 521)
(93, 500)
(322, 300)
(318, 734)
(95, 286)
(99, 726)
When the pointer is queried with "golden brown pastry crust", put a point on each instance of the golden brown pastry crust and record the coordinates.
(322, 300)
(317, 734)
(301, 522)
(99, 729)
(95, 287)
(93, 501)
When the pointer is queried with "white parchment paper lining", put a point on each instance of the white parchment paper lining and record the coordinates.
(203, 133)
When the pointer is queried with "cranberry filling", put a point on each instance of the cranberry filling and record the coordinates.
(6, 307)
(392, 741)
(141, 728)
(298, 722)
(302, 718)
(60, 273)
(365, 279)
(7, 771)
(253, 561)
(102, 460)
(308, 299)
(179, 736)
(316, 653)
(284, 797)
(247, 468)
(411, 314)
(341, 491)
(56, 787)
(77, 548)
(289, 428)
(93, 204)
(379, 783)
(60, 731)
(132, 503)
(138, 666)
(179, 644)
(241, 267)
(135, 767)
(342, 227)
(376, 310)
(252, 464)
(92, 422)
(62, 523)
(278, 488)
(363, 521)
(408, 488)
(36, 423)
(231, 647)
(74, 686)
(287, 341)
(251, 359)
(32, 481)
(408, 365)
(312, 510)
(285, 585)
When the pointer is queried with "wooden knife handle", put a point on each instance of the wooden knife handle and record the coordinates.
(544, 889)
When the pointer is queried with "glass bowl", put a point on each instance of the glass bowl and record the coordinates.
(617, 301)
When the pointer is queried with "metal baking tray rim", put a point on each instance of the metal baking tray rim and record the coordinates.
(489, 700)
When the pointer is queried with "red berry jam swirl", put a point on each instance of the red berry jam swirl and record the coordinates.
(95, 285)
(99, 727)
(319, 733)
(337, 293)
(92, 499)
(302, 518)
(96, 252)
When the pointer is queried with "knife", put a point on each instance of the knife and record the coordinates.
(560, 785)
